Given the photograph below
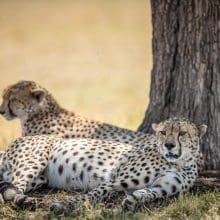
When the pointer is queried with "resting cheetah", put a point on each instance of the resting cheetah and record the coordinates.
(104, 167)
(72, 164)
(151, 173)
(40, 113)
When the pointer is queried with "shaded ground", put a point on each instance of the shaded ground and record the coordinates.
(203, 201)
(203, 183)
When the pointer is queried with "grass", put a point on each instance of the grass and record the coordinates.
(195, 205)
(95, 57)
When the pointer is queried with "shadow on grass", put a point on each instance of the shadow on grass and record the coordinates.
(203, 201)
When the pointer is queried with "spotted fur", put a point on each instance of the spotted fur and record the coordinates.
(40, 114)
(101, 167)
(72, 164)
(152, 173)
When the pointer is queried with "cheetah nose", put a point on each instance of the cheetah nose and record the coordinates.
(169, 146)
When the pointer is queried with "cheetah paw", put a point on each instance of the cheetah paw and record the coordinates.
(129, 203)
(58, 208)
(140, 194)
(25, 202)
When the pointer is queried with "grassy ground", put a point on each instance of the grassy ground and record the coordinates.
(95, 57)
(200, 203)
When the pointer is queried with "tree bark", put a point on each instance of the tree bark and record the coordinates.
(185, 80)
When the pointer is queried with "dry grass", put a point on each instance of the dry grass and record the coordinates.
(94, 56)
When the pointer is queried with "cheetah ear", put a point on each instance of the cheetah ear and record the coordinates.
(154, 126)
(202, 130)
(38, 94)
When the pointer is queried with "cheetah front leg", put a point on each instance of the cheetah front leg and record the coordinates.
(165, 185)
(22, 181)
(9, 192)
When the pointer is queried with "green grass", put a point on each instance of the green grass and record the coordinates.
(195, 205)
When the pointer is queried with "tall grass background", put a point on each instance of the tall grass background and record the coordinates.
(93, 56)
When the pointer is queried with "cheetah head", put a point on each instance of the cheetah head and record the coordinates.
(178, 138)
(25, 99)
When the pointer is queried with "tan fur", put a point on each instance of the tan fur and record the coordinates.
(151, 173)
(40, 113)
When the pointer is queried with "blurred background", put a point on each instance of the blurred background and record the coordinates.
(94, 56)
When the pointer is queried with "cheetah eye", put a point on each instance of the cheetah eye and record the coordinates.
(163, 132)
(182, 133)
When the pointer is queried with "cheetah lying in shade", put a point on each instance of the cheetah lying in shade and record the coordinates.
(104, 167)
(40, 113)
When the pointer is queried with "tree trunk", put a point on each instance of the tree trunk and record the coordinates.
(185, 78)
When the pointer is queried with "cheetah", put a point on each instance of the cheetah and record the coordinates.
(151, 173)
(40, 114)
(103, 167)
(71, 164)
